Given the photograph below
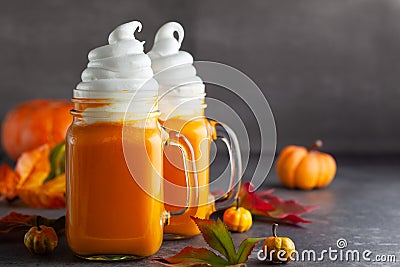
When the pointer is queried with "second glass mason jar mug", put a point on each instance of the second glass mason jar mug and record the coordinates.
(186, 115)
(114, 212)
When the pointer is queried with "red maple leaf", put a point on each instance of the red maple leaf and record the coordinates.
(266, 205)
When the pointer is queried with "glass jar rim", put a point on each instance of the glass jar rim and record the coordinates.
(106, 114)
(182, 96)
(124, 95)
(100, 101)
(140, 107)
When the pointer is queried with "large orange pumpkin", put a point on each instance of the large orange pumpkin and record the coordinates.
(34, 123)
(298, 167)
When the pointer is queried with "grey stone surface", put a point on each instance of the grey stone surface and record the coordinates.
(330, 69)
(361, 205)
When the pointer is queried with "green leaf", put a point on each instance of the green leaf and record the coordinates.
(246, 247)
(190, 256)
(217, 236)
(57, 161)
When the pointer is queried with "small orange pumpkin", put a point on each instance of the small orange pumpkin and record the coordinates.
(298, 167)
(34, 123)
(238, 219)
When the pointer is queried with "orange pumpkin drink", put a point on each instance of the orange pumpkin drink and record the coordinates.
(108, 211)
(181, 103)
(115, 207)
(197, 131)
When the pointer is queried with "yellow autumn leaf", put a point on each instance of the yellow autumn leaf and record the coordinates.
(27, 181)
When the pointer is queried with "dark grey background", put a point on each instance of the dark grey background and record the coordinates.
(330, 69)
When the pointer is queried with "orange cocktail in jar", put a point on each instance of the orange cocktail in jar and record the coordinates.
(182, 104)
(115, 145)
(108, 212)
(200, 132)
(197, 132)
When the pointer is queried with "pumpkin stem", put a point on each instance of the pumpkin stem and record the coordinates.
(316, 145)
(37, 222)
(274, 226)
(237, 203)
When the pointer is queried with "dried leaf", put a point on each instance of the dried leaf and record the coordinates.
(33, 167)
(8, 182)
(48, 195)
(267, 205)
(39, 178)
(58, 224)
(251, 201)
(15, 222)
(288, 210)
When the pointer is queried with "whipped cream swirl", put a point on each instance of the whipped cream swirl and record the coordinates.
(120, 65)
(118, 71)
(173, 69)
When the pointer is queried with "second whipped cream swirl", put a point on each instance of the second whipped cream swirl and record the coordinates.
(173, 69)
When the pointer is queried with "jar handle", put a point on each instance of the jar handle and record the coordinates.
(221, 131)
(175, 138)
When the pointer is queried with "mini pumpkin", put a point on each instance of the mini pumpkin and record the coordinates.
(279, 249)
(298, 167)
(41, 239)
(34, 123)
(238, 219)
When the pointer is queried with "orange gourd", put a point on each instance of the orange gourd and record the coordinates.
(238, 219)
(298, 167)
(34, 123)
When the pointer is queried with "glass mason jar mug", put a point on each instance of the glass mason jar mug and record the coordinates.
(115, 207)
(186, 115)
